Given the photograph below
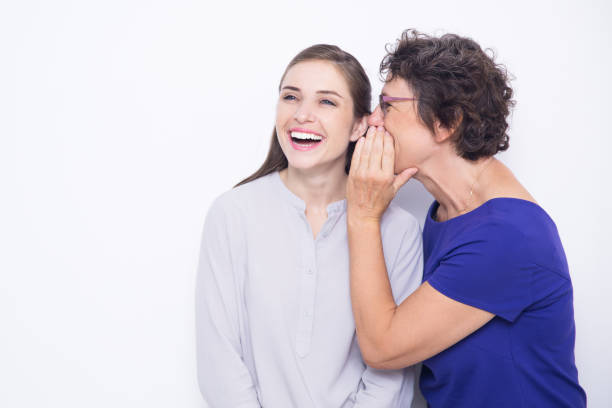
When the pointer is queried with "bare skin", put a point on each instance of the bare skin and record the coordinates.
(392, 336)
(315, 97)
(317, 192)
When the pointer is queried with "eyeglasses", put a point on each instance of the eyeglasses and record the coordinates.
(383, 101)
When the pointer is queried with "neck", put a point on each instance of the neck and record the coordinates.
(317, 187)
(456, 183)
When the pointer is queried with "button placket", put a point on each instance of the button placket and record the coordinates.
(307, 296)
(306, 317)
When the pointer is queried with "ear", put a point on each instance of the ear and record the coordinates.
(359, 128)
(443, 133)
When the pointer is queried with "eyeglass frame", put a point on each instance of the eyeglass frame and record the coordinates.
(383, 99)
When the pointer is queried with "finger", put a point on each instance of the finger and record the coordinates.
(403, 178)
(356, 156)
(367, 149)
(377, 150)
(388, 158)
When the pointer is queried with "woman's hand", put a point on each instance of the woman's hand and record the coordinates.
(371, 183)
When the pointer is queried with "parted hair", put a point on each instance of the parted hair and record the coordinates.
(459, 85)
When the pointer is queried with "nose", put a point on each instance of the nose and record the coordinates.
(304, 114)
(376, 118)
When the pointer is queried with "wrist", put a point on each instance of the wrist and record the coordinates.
(362, 221)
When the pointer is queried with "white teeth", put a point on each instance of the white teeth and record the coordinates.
(309, 136)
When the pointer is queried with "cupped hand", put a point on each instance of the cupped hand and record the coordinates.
(371, 183)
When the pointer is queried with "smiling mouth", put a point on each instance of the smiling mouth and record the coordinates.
(304, 141)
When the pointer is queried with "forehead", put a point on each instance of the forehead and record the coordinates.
(316, 75)
(398, 87)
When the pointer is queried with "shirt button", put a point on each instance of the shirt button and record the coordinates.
(309, 271)
(307, 313)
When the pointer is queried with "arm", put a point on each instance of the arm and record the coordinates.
(395, 388)
(427, 322)
(223, 377)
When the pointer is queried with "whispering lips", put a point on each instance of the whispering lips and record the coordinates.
(303, 139)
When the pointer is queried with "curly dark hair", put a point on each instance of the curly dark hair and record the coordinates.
(458, 84)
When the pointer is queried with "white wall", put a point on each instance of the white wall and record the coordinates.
(120, 121)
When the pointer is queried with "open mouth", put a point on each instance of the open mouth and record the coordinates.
(304, 140)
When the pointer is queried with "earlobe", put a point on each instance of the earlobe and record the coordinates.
(359, 129)
(442, 133)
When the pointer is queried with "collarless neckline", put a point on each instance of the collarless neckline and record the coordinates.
(298, 203)
(435, 205)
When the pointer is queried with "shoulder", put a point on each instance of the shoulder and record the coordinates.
(397, 220)
(522, 224)
(493, 234)
(486, 234)
(399, 228)
(232, 210)
(240, 198)
(506, 230)
(495, 221)
(538, 233)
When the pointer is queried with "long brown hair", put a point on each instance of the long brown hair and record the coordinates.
(360, 89)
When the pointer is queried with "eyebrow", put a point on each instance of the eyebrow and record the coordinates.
(323, 91)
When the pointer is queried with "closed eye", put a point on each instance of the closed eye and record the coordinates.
(327, 102)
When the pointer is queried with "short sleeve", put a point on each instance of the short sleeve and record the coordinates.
(489, 270)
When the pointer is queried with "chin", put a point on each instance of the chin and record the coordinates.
(301, 163)
(398, 169)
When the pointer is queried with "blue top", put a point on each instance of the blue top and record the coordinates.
(504, 257)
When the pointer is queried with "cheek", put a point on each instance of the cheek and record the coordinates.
(342, 125)
(281, 114)
(280, 134)
(281, 123)
(399, 150)
(406, 151)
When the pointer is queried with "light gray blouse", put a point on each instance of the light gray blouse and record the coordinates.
(274, 322)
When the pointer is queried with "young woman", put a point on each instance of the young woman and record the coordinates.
(493, 322)
(274, 322)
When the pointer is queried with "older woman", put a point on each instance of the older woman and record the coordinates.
(493, 320)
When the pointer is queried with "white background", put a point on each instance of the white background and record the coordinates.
(120, 121)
